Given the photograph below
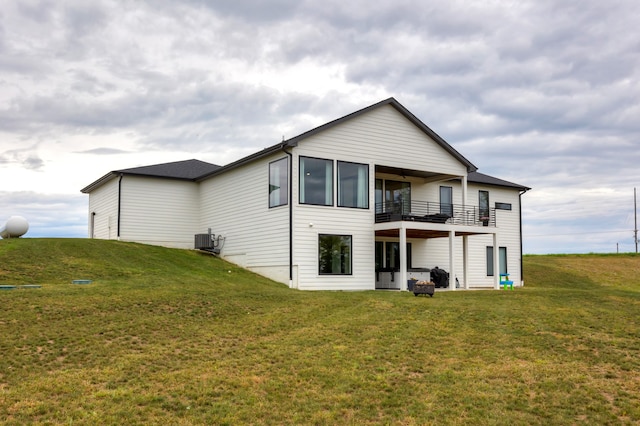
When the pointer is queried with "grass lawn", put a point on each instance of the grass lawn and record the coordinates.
(176, 337)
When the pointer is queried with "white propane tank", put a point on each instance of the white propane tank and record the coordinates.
(15, 227)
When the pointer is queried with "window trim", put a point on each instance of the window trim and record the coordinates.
(300, 181)
(490, 252)
(366, 196)
(483, 210)
(286, 192)
(339, 274)
(489, 258)
(506, 260)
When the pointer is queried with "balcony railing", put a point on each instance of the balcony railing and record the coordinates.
(427, 211)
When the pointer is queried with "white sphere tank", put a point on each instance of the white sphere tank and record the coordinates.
(15, 227)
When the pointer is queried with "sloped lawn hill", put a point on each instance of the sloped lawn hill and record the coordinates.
(168, 336)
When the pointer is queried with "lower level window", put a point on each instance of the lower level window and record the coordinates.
(334, 254)
(502, 261)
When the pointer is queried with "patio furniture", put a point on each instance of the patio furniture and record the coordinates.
(505, 282)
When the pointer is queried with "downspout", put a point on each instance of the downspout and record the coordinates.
(284, 146)
(119, 204)
(521, 246)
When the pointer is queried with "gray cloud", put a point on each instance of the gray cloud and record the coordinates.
(257, 11)
(26, 157)
(33, 162)
(48, 215)
(541, 93)
(103, 151)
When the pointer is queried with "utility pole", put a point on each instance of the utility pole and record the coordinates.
(635, 218)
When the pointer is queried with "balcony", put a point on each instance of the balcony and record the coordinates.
(430, 212)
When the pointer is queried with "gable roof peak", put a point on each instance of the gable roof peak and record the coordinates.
(393, 102)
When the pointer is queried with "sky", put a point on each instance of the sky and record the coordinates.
(545, 94)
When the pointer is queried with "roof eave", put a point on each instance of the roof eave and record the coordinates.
(98, 183)
(255, 156)
(113, 174)
(151, 175)
(494, 181)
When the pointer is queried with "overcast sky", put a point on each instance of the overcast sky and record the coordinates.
(542, 93)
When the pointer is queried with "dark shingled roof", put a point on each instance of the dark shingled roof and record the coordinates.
(483, 179)
(183, 170)
(187, 169)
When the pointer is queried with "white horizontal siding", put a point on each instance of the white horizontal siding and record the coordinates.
(384, 137)
(159, 211)
(310, 222)
(236, 206)
(508, 224)
(103, 201)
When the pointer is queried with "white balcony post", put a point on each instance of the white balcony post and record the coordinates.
(496, 262)
(403, 257)
(465, 261)
(452, 261)
(465, 218)
(464, 192)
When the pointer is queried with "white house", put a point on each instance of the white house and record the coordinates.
(364, 202)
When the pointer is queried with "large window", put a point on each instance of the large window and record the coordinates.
(483, 203)
(353, 185)
(278, 182)
(334, 254)
(316, 181)
(446, 200)
(502, 261)
(503, 206)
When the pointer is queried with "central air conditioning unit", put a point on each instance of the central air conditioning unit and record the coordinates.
(209, 242)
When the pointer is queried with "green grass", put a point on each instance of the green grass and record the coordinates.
(177, 337)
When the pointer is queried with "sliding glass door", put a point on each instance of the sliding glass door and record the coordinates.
(397, 197)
